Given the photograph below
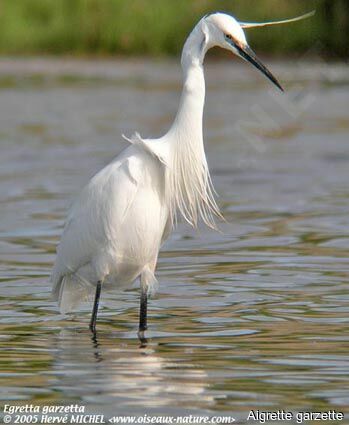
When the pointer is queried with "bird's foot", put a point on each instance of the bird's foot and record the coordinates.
(142, 337)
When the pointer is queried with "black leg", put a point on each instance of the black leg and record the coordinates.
(143, 311)
(95, 308)
(143, 315)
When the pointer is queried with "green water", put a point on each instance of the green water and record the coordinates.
(252, 317)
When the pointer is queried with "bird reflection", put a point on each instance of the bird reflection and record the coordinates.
(103, 367)
(97, 354)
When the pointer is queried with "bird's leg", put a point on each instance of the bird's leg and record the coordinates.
(143, 312)
(95, 308)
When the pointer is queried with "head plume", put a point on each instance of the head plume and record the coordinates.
(285, 21)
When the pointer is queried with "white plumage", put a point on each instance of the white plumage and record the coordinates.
(114, 229)
(116, 226)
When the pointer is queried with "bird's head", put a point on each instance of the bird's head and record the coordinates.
(224, 31)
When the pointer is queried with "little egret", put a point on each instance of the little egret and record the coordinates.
(116, 226)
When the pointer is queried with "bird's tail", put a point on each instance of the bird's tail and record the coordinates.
(70, 291)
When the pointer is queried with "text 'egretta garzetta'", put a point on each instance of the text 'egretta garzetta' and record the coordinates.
(116, 226)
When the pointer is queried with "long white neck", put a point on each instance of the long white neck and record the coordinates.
(188, 179)
(188, 121)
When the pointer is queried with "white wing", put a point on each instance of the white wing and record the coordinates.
(97, 212)
(116, 225)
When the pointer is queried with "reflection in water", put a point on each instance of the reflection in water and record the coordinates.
(253, 317)
(96, 346)
(119, 371)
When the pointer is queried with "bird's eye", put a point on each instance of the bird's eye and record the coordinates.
(228, 36)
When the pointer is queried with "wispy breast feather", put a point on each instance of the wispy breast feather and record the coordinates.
(153, 147)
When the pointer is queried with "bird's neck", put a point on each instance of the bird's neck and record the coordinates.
(188, 179)
(188, 121)
(187, 126)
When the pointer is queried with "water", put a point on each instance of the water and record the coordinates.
(253, 317)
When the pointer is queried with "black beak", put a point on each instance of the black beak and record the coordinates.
(249, 55)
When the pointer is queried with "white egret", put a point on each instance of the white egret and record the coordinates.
(116, 226)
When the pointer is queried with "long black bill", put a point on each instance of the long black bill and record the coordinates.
(248, 54)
